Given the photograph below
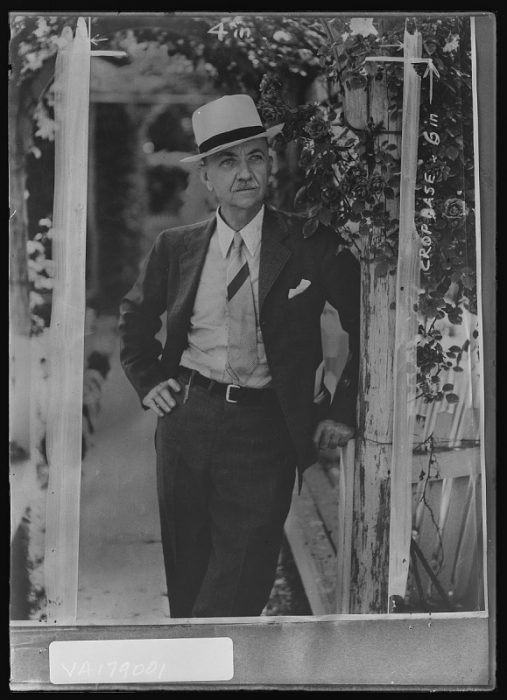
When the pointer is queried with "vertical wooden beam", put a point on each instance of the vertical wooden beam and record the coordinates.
(371, 504)
(371, 483)
(93, 231)
(344, 544)
(365, 555)
(20, 126)
(64, 423)
(405, 359)
(24, 95)
(372, 509)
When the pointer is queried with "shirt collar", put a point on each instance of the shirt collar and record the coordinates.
(251, 233)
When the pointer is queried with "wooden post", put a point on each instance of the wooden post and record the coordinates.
(345, 494)
(405, 359)
(93, 286)
(382, 502)
(23, 97)
(64, 423)
(18, 277)
(371, 501)
(369, 559)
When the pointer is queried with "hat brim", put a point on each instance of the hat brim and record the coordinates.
(269, 133)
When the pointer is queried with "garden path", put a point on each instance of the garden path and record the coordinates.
(121, 576)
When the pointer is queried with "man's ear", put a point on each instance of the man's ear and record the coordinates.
(203, 174)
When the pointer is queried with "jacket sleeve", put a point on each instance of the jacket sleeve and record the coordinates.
(140, 312)
(342, 283)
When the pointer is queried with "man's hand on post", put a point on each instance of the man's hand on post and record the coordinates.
(160, 399)
(329, 435)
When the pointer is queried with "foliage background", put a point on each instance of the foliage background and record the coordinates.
(299, 70)
(329, 172)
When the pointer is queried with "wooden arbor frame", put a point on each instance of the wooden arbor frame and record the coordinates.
(476, 677)
(352, 532)
(382, 483)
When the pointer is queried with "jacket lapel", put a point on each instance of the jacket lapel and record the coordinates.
(192, 259)
(274, 254)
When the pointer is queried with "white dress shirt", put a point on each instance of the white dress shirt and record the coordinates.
(207, 337)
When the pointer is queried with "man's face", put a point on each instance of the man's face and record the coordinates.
(239, 175)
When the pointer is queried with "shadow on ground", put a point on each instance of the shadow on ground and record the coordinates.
(288, 595)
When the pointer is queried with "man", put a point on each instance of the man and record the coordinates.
(233, 386)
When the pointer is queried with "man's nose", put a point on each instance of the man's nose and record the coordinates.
(244, 172)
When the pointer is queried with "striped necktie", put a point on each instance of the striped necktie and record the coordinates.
(242, 339)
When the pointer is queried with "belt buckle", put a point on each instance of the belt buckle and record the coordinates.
(228, 392)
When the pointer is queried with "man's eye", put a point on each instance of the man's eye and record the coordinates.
(257, 157)
(227, 162)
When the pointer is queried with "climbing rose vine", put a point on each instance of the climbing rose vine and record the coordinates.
(349, 177)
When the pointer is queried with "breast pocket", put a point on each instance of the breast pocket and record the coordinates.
(303, 311)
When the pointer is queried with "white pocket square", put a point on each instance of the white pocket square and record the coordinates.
(304, 284)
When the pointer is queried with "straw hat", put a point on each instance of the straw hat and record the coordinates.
(226, 122)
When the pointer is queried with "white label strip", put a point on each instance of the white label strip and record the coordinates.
(141, 661)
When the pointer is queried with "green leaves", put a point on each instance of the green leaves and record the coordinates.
(310, 226)
(325, 216)
(300, 194)
(358, 206)
(430, 47)
(452, 152)
(349, 178)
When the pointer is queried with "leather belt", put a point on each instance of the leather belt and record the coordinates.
(233, 393)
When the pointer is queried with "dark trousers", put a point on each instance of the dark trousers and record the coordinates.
(225, 477)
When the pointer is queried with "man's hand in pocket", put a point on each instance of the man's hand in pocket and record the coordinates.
(160, 398)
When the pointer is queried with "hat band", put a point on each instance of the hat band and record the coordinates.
(230, 136)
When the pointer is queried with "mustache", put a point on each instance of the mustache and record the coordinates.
(246, 187)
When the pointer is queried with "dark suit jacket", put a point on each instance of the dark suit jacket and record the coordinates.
(290, 327)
